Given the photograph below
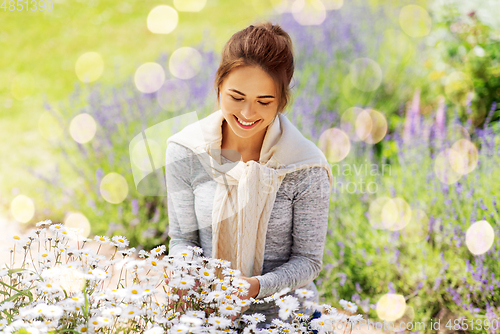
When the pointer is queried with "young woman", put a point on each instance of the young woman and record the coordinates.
(243, 183)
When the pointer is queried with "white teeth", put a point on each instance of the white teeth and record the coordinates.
(245, 123)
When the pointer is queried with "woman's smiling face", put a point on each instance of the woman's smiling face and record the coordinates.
(249, 94)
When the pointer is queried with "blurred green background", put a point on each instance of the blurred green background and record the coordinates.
(402, 96)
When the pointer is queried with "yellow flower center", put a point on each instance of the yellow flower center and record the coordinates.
(17, 238)
(206, 273)
(121, 240)
(134, 292)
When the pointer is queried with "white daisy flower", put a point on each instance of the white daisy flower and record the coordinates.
(320, 324)
(195, 321)
(53, 311)
(94, 322)
(102, 239)
(207, 274)
(229, 310)
(44, 223)
(257, 317)
(241, 283)
(154, 262)
(82, 328)
(186, 282)
(355, 318)
(197, 250)
(219, 322)
(45, 256)
(130, 312)
(158, 250)
(305, 293)
(349, 306)
(301, 316)
(198, 314)
(105, 321)
(120, 241)
(57, 228)
(180, 328)
(243, 302)
(215, 296)
(113, 311)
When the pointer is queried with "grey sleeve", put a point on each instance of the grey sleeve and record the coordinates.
(183, 225)
(310, 224)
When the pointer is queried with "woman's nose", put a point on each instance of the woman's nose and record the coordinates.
(248, 111)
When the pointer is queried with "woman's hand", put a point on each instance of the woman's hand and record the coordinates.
(254, 288)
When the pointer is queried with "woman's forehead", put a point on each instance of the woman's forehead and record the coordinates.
(250, 80)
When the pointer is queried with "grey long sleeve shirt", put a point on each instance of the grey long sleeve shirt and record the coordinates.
(296, 231)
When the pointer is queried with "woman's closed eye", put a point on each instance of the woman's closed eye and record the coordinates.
(236, 99)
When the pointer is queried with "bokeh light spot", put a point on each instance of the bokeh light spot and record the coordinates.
(149, 77)
(89, 67)
(335, 144)
(479, 237)
(308, 12)
(443, 169)
(396, 214)
(82, 128)
(375, 212)
(22, 208)
(173, 95)
(363, 124)
(365, 74)
(140, 155)
(463, 156)
(417, 229)
(348, 122)
(189, 5)
(415, 21)
(114, 188)
(162, 19)
(76, 220)
(391, 307)
(49, 127)
(185, 63)
(378, 128)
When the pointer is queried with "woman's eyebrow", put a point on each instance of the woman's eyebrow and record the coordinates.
(259, 97)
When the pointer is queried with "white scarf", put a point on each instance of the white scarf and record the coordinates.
(246, 191)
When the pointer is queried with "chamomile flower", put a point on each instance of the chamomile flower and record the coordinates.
(186, 282)
(215, 296)
(103, 240)
(44, 223)
(53, 311)
(349, 306)
(355, 318)
(130, 312)
(229, 309)
(240, 283)
(82, 329)
(320, 324)
(120, 241)
(243, 302)
(57, 228)
(45, 256)
(301, 316)
(197, 314)
(158, 250)
(207, 274)
(180, 328)
(197, 250)
(112, 311)
(256, 317)
(219, 322)
(305, 293)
